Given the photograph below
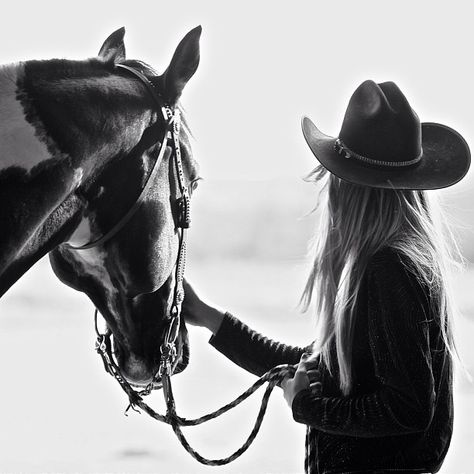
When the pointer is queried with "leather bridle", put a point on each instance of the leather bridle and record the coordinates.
(168, 351)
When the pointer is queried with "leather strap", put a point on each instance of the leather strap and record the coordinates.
(124, 220)
(149, 85)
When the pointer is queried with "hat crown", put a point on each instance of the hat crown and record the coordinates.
(380, 124)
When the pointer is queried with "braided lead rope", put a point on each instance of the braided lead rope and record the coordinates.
(272, 377)
(136, 401)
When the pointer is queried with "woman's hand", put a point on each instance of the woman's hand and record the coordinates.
(193, 306)
(199, 313)
(307, 376)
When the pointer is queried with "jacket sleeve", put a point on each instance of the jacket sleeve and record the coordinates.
(250, 350)
(400, 347)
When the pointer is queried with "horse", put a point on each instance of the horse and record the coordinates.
(80, 142)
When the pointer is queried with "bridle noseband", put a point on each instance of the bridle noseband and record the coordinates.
(168, 351)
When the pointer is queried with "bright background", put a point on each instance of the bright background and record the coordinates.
(263, 65)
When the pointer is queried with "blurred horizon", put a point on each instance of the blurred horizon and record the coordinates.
(274, 218)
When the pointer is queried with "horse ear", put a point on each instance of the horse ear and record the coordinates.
(183, 65)
(113, 48)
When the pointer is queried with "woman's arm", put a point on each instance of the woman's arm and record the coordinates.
(237, 341)
(251, 350)
(400, 346)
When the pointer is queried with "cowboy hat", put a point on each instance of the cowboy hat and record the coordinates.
(382, 144)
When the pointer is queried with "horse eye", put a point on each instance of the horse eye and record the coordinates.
(194, 183)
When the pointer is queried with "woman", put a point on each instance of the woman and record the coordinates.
(375, 387)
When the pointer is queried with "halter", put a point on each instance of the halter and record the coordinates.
(168, 347)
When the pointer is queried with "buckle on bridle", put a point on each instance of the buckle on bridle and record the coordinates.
(168, 355)
(100, 344)
(184, 210)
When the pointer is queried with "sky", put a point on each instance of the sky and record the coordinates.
(265, 63)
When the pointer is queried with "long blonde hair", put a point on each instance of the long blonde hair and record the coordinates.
(356, 222)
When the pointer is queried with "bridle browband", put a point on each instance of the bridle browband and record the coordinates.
(172, 117)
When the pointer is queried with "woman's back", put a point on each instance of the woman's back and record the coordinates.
(400, 409)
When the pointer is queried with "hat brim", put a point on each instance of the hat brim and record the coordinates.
(445, 160)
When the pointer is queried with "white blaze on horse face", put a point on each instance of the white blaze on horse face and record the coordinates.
(82, 235)
(93, 263)
(19, 145)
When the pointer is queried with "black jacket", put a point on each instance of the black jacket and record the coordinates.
(399, 414)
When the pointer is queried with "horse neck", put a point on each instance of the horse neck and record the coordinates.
(48, 149)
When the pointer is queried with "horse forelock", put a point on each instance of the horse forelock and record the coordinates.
(143, 67)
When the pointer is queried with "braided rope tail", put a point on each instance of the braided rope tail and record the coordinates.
(273, 376)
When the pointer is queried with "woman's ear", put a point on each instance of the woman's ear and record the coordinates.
(113, 48)
(182, 67)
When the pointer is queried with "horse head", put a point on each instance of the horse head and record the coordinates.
(109, 120)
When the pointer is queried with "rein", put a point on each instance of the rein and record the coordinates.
(168, 347)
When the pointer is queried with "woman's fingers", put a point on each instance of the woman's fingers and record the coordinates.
(301, 377)
(307, 376)
(316, 388)
(191, 304)
(309, 366)
(308, 361)
(314, 374)
(291, 386)
(287, 392)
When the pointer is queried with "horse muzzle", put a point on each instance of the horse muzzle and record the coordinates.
(140, 371)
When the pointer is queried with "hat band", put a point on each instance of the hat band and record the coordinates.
(342, 149)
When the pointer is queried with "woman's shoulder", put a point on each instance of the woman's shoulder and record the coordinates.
(386, 258)
(392, 269)
(391, 266)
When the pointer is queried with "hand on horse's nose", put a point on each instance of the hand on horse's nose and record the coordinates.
(199, 313)
(192, 306)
